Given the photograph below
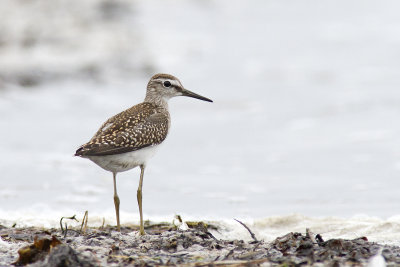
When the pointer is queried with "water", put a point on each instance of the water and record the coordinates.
(306, 102)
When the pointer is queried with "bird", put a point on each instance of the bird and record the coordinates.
(130, 138)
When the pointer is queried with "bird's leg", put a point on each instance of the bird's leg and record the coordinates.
(139, 199)
(116, 201)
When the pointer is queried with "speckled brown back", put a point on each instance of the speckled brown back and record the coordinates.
(140, 126)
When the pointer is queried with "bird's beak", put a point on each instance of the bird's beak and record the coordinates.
(194, 95)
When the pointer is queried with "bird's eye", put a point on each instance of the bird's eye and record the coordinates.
(167, 84)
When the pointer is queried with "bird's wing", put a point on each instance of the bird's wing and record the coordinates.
(141, 126)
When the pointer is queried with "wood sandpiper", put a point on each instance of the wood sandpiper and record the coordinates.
(130, 138)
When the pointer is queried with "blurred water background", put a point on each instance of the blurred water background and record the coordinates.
(304, 120)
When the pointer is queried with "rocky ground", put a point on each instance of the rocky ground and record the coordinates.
(166, 244)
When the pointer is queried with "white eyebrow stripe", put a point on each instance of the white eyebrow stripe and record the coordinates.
(175, 83)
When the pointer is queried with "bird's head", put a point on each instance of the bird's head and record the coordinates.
(165, 86)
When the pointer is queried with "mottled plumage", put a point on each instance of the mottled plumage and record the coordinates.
(140, 126)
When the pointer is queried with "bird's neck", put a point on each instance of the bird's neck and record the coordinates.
(157, 99)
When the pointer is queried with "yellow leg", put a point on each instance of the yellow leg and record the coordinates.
(139, 199)
(116, 201)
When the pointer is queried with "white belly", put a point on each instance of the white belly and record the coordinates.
(126, 161)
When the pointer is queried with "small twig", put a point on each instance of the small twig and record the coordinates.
(84, 222)
(71, 230)
(104, 221)
(256, 246)
(248, 229)
(87, 219)
(179, 218)
(211, 235)
(229, 254)
(66, 230)
(69, 218)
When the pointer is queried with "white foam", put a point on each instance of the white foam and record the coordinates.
(375, 229)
